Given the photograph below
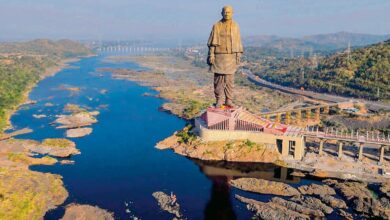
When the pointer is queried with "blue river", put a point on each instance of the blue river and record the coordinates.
(119, 163)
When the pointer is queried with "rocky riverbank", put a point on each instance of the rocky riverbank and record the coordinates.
(314, 201)
(27, 194)
(85, 212)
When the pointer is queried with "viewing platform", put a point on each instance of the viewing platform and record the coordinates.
(228, 124)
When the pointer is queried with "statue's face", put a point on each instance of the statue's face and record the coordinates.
(227, 13)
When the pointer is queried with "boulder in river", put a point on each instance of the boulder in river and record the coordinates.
(78, 132)
(165, 203)
(264, 186)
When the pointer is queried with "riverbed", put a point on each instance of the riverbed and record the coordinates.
(119, 168)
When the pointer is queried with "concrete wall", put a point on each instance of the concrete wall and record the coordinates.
(258, 137)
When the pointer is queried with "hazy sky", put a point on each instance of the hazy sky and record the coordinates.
(171, 19)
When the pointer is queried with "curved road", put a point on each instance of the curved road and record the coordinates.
(319, 96)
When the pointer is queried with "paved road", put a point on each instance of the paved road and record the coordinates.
(319, 96)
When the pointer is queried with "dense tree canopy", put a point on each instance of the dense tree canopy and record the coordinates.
(365, 72)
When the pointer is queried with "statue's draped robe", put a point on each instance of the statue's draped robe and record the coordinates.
(226, 40)
(225, 37)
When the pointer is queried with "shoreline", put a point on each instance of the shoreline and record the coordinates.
(200, 152)
(49, 72)
(31, 187)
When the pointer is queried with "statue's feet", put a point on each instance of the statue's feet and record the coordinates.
(219, 104)
(229, 104)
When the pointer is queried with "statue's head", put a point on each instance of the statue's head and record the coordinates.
(227, 12)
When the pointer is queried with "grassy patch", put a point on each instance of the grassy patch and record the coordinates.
(185, 135)
(193, 108)
(228, 146)
(57, 142)
(249, 144)
(18, 157)
(73, 108)
(28, 195)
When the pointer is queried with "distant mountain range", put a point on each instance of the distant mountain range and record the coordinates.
(316, 43)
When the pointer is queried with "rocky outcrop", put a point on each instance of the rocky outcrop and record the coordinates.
(57, 147)
(237, 151)
(360, 199)
(297, 207)
(271, 210)
(39, 116)
(264, 186)
(86, 212)
(315, 189)
(78, 132)
(385, 189)
(67, 162)
(165, 202)
(312, 203)
(345, 214)
(76, 120)
(169, 142)
(333, 202)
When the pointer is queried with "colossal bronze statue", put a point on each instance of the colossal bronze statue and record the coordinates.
(225, 50)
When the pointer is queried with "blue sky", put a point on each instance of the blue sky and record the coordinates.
(184, 19)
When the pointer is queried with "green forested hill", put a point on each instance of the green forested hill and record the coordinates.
(61, 48)
(364, 73)
(23, 64)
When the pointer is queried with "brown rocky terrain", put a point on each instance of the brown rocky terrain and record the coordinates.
(239, 151)
(362, 200)
(264, 186)
(78, 132)
(313, 200)
(86, 212)
(270, 210)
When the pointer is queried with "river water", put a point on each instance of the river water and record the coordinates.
(118, 163)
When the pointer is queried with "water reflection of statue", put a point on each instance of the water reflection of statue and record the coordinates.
(225, 50)
(220, 205)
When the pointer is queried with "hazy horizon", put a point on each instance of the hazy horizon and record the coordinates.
(186, 20)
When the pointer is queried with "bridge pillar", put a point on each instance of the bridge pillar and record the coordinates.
(308, 114)
(326, 110)
(285, 148)
(320, 151)
(382, 154)
(360, 156)
(340, 152)
(298, 117)
(299, 150)
(317, 117)
(278, 117)
(288, 117)
(283, 173)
